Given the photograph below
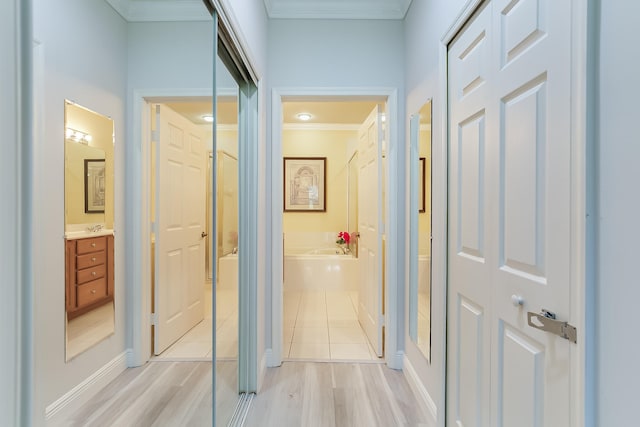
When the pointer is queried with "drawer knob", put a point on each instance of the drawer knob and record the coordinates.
(93, 259)
(93, 291)
(93, 245)
(93, 273)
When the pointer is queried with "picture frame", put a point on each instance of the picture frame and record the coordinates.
(94, 185)
(305, 182)
(421, 192)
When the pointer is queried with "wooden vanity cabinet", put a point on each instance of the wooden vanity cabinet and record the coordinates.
(89, 274)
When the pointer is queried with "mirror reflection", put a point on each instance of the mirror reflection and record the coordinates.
(89, 267)
(227, 217)
(420, 246)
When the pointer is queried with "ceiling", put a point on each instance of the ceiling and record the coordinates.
(334, 112)
(194, 10)
(327, 112)
(194, 110)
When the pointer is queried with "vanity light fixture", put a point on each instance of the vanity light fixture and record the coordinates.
(78, 136)
(305, 117)
(208, 118)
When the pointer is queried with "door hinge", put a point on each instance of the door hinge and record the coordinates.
(546, 321)
(155, 135)
(154, 319)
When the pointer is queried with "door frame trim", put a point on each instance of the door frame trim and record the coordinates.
(138, 228)
(582, 202)
(393, 226)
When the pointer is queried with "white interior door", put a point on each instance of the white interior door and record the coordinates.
(509, 215)
(370, 228)
(180, 223)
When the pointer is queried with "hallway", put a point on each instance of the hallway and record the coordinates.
(295, 394)
(335, 394)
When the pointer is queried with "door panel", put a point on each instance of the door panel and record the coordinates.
(471, 188)
(470, 362)
(520, 392)
(509, 208)
(180, 216)
(370, 229)
(469, 338)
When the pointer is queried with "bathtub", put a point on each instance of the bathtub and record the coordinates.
(320, 268)
(228, 272)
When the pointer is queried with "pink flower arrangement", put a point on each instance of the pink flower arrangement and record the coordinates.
(343, 238)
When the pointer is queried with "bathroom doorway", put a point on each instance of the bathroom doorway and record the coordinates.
(179, 152)
(196, 341)
(332, 285)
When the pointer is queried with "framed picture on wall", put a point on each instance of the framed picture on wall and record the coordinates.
(421, 173)
(305, 184)
(94, 185)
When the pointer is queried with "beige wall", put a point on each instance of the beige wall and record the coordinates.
(424, 218)
(331, 144)
(101, 146)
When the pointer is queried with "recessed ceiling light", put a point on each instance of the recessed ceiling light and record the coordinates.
(208, 118)
(304, 116)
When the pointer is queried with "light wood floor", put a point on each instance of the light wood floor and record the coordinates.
(335, 394)
(296, 394)
(155, 394)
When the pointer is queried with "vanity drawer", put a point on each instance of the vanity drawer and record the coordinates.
(92, 273)
(95, 244)
(92, 292)
(90, 260)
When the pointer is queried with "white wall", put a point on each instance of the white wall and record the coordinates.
(83, 50)
(425, 24)
(618, 282)
(170, 55)
(336, 53)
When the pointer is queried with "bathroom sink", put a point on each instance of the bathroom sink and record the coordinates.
(81, 234)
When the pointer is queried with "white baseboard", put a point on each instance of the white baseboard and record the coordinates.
(270, 358)
(262, 369)
(71, 401)
(419, 390)
(396, 360)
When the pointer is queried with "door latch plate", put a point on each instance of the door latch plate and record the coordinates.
(546, 321)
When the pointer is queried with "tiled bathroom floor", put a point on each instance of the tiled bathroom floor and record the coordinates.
(196, 344)
(318, 325)
(323, 325)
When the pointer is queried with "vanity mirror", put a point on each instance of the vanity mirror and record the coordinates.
(420, 223)
(89, 236)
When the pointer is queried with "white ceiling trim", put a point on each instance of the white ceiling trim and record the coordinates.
(154, 11)
(341, 9)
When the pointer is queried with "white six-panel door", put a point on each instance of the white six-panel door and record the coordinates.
(370, 228)
(509, 215)
(180, 221)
